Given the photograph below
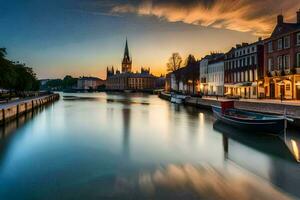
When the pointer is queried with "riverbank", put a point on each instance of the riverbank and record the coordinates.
(14, 109)
(261, 106)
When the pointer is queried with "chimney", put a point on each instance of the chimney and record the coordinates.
(298, 17)
(280, 19)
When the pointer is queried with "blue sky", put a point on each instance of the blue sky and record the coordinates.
(83, 37)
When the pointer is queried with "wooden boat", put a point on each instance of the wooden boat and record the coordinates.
(250, 121)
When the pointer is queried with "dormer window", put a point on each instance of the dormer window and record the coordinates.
(287, 42)
(279, 44)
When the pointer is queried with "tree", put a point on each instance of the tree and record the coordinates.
(193, 71)
(69, 82)
(174, 62)
(15, 76)
(174, 65)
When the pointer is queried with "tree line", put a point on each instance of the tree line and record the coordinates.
(16, 77)
(68, 82)
(186, 72)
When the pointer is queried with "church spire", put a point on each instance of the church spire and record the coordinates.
(127, 62)
(126, 52)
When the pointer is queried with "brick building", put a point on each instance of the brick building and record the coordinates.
(244, 71)
(282, 60)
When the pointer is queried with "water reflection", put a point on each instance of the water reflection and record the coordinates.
(135, 146)
(282, 170)
(126, 132)
(195, 182)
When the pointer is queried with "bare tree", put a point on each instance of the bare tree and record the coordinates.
(174, 63)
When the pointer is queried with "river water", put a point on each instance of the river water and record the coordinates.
(137, 146)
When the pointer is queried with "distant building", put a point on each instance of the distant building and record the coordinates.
(127, 80)
(43, 82)
(282, 60)
(244, 71)
(89, 83)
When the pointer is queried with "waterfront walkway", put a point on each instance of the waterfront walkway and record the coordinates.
(18, 101)
(269, 101)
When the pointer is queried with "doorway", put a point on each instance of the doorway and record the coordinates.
(272, 90)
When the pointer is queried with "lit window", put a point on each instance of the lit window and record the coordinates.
(279, 44)
(288, 87)
(287, 42)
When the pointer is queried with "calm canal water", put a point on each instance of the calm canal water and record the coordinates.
(137, 146)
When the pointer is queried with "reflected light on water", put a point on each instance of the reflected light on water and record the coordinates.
(296, 150)
(203, 182)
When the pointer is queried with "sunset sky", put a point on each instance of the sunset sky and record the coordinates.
(83, 37)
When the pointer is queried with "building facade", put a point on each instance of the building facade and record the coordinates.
(282, 61)
(203, 65)
(127, 80)
(244, 71)
(186, 79)
(89, 83)
(205, 73)
(215, 83)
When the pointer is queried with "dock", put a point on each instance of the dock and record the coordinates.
(260, 106)
(14, 109)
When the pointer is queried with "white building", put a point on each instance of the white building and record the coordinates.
(210, 76)
(216, 77)
(204, 75)
(87, 83)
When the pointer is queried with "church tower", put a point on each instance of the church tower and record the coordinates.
(127, 62)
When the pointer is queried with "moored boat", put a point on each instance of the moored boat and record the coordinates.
(251, 121)
(177, 98)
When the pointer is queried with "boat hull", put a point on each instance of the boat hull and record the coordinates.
(274, 126)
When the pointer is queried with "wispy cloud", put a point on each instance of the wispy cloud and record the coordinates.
(256, 16)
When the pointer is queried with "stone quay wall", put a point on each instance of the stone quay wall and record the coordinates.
(11, 111)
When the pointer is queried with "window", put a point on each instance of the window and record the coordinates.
(279, 44)
(286, 62)
(270, 64)
(251, 75)
(242, 77)
(298, 39)
(288, 87)
(254, 91)
(287, 42)
(270, 47)
(279, 63)
(298, 59)
(246, 75)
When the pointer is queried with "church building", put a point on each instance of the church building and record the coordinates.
(128, 80)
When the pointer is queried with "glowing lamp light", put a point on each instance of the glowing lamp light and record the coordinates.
(295, 150)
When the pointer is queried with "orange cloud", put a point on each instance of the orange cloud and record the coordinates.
(256, 16)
